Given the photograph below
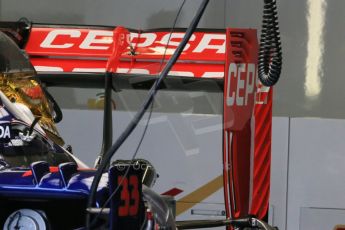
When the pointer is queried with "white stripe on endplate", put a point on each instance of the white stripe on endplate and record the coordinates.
(232, 173)
(227, 166)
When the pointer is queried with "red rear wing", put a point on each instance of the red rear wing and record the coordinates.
(228, 56)
(83, 49)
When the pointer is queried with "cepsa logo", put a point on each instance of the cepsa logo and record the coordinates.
(94, 39)
(241, 87)
(243, 84)
(102, 40)
(240, 84)
(89, 48)
(78, 41)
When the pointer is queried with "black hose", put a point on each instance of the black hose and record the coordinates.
(57, 117)
(146, 126)
(270, 53)
(131, 126)
(107, 118)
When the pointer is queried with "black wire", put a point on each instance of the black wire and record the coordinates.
(131, 126)
(144, 107)
(127, 170)
(57, 117)
(32, 126)
(147, 123)
(270, 53)
(170, 34)
(144, 223)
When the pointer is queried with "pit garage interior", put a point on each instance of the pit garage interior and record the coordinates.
(184, 138)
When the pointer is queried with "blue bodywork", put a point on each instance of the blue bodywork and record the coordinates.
(39, 185)
(17, 175)
(35, 171)
(52, 191)
(20, 183)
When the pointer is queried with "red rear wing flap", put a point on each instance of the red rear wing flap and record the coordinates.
(84, 49)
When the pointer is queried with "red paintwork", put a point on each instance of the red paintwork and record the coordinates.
(148, 54)
(151, 50)
(173, 192)
(52, 169)
(121, 36)
(184, 69)
(262, 156)
(246, 132)
(34, 92)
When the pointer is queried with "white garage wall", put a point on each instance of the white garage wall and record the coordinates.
(307, 181)
(180, 146)
(279, 171)
(316, 183)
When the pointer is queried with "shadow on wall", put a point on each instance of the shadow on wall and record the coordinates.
(43, 11)
(163, 17)
(213, 17)
(58, 18)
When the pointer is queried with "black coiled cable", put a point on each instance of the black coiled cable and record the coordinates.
(270, 53)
